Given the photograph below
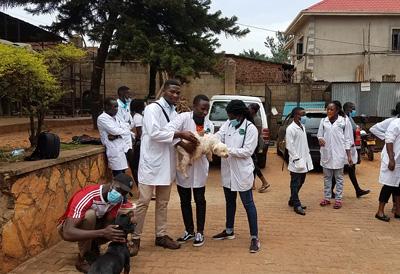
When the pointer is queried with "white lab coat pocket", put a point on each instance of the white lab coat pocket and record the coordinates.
(300, 166)
(324, 155)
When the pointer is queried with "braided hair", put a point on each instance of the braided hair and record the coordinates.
(238, 107)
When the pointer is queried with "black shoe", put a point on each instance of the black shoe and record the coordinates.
(382, 218)
(223, 235)
(186, 237)
(290, 203)
(362, 193)
(397, 216)
(254, 246)
(299, 210)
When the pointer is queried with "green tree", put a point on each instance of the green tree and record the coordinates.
(34, 79)
(254, 55)
(179, 25)
(279, 54)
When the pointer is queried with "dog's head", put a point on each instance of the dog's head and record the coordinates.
(221, 150)
(125, 222)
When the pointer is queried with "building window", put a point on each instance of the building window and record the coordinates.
(299, 49)
(396, 39)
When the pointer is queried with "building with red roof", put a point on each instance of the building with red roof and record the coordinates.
(346, 40)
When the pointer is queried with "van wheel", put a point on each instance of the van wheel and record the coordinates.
(262, 160)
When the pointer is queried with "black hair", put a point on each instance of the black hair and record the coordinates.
(296, 111)
(396, 111)
(348, 105)
(137, 105)
(238, 107)
(122, 90)
(338, 106)
(200, 97)
(107, 101)
(171, 82)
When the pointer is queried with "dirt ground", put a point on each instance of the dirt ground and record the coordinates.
(326, 240)
(18, 140)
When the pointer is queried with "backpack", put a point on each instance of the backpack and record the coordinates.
(48, 147)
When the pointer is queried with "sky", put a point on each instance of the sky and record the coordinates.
(266, 14)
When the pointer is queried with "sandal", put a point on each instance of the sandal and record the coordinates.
(382, 218)
(337, 205)
(324, 202)
(263, 188)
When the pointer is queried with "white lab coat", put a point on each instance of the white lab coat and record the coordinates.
(198, 172)
(350, 136)
(157, 152)
(124, 114)
(237, 169)
(115, 150)
(387, 177)
(333, 154)
(297, 146)
(379, 129)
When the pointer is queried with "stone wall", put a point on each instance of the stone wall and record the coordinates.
(34, 195)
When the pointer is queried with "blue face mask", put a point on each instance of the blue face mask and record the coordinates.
(303, 119)
(114, 197)
(234, 122)
(352, 113)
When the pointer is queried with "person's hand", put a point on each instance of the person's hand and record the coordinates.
(350, 162)
(187, 135)
(188, 147)
(391, 164)
(113, 137)
(113, 234)
(321, 142)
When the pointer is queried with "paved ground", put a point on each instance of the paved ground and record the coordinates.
(349, 240)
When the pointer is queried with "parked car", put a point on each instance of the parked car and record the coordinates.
(218, 117)
(314, 118)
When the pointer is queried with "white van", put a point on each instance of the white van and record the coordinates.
(218, 116)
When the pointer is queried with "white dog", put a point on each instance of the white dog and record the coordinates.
(208, 145)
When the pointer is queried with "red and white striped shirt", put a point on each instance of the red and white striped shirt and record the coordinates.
(89, 198)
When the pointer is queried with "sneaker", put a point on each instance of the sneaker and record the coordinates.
(128, 205)
(254, 246)
(199, 241)
(186, 237)
(133, 247)
(167, 242)
(223, 235)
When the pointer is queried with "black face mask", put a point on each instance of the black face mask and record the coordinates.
(198, 120)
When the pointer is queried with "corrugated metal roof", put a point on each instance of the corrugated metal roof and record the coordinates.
(289, 106)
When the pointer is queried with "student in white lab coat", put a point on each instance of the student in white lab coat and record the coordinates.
(300, 161)
(335, 151)
(111, 130)
(241, 136)
(390, 168)
(194, 121)
(157, 165)
(350, 110)
(379, 131)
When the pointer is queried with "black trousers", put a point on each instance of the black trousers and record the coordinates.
(386, 191)
(296, 182)
(353, 179)
(185, 195)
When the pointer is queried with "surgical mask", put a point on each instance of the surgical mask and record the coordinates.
(234, 122)
(127, 100)
(352, 113)
(303, 119)
(114, 197)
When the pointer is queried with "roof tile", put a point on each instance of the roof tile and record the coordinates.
(357, 5)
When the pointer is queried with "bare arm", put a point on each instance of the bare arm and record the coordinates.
(389, 149)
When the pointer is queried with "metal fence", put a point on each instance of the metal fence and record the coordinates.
(373, 99)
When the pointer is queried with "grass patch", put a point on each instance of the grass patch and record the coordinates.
(65, 146)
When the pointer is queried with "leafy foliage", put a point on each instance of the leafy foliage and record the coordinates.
(33, 79)
(279, 54)
(254, 55)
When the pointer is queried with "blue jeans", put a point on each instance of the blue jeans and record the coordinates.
(248, 203)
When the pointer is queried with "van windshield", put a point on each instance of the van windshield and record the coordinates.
(218, 110)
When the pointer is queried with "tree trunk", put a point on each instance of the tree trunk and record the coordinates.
(32, 134)
(152, 84)
(96, 105)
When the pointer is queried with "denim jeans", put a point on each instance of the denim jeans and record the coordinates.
(296, 182)
(186, 206)
(248, 203)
